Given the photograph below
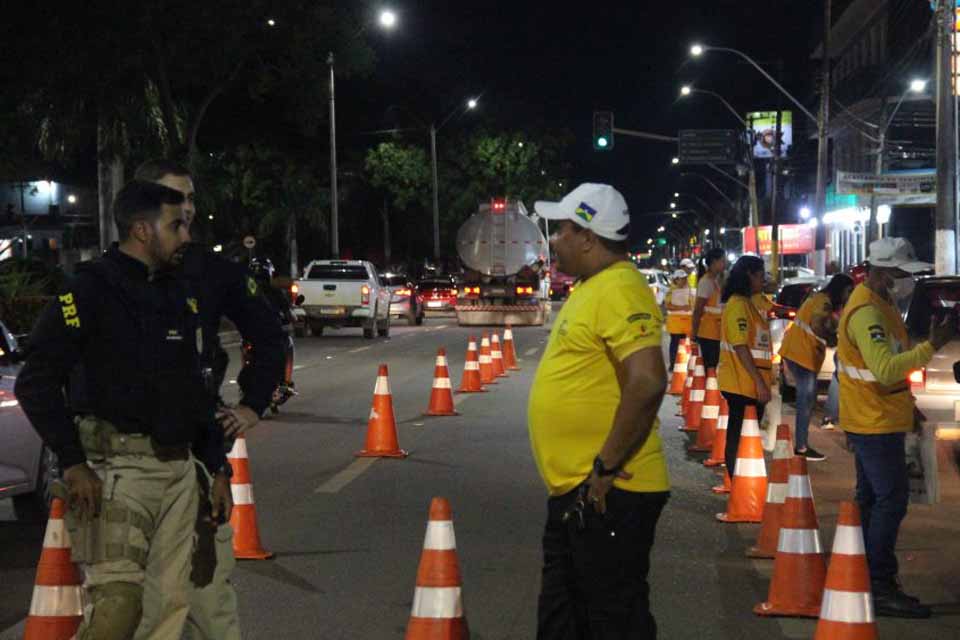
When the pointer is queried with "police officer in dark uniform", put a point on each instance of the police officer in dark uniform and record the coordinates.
(224, 289)
(125, 445)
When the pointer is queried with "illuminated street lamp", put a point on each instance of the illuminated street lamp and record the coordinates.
(72, 199)
(675, 160)
(696, 50)
(388, 19)
(472, 103)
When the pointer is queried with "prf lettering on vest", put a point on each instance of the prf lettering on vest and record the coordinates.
(69, 309)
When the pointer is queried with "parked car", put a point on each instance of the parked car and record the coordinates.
(345, 293)
(785, 306)
(27, 467)
(659, 283)
(405, 300)
(561, 284)
(439, 294)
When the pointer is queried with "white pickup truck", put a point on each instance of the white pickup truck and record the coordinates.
(345, 293)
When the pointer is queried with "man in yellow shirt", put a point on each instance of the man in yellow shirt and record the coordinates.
(593, 428)
(877, 409)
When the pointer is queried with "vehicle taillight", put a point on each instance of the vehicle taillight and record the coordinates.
(524, 291)
(7, 400)
(453, 292)
(918, 380)
(498, 206)
(294, 291)
(365, 294)
(791, 314)
(403, 292)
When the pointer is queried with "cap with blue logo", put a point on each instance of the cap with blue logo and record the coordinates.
(598, 207)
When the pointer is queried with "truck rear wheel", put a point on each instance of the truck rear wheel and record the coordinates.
(370, 330)
(316, 329)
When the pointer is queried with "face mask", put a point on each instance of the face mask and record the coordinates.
(902, 288)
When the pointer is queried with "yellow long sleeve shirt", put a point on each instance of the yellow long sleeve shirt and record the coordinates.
(881, 352)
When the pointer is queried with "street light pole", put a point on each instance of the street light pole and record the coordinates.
(436, 194)
(945, 247)
(334, 211)
(823, 146)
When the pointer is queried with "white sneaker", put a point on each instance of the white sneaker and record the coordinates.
(827, 425)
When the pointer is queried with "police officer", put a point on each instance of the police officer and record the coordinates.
(224, 289)
(125, 445)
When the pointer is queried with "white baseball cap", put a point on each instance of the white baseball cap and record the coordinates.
(687, 262)
(597, 207)
(896, 253)
(679, 273)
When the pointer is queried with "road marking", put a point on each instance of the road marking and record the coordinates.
(531, 351)
(359, 349)
(442, 326)
(345, 477)
(297, 367)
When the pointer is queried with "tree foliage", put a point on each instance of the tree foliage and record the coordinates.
(401, 171)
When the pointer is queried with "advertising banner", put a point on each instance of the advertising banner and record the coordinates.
(795, 239)
(865, 184)
(764, 125)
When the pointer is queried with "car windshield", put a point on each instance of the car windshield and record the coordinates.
(792, 295)
(928, 298)
(337, 272)
(393, 281)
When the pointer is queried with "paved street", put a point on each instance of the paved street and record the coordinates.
(348, 533)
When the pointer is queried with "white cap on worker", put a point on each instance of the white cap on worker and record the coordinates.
(896, 253)
(598, 207)
(687, 262)
(679, 273)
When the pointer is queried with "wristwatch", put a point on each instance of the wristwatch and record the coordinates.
(601, 470)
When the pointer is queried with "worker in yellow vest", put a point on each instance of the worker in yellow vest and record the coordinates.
(877, 408)
(804, 347)
(679, 311)
(690, 268)
(707, 308)
(745, 372)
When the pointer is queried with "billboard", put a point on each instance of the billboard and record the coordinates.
(764, 127)
(795, 239)
(865, 184)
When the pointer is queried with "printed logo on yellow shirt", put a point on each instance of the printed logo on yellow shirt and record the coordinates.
(639, 316)
(877, 334)
(742, 324)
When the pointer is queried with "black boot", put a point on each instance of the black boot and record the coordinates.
(890, 600)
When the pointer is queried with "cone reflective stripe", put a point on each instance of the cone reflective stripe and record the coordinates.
(243, 519)
(509, 350)
(847, 609)
(748, 490)
(688, 382)
(679, 375)
(441, 395)
(496, 355)
(698, 391)
(769, 535)
(56, 608)
(382, 426)
(709, 415)
(487, 373)
(437, 612)
(471, 370)
(799, 569)
(717, 456)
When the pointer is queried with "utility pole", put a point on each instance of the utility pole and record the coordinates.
(334, 210)
(823, 142)
(774, 187)
(945, 243)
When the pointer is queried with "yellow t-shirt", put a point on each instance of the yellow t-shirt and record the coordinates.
(576, 389)
(743, 325)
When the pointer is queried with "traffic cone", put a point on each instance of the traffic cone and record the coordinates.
(496, 354)
(471, 371)
(708, 416)
(441, 396)
(799, 569)
(437, 612)
(246, 534)
(688, 381)
(382, 425)
(679, 376)
(509, 350)
(847, 609)
(769, 535)
(487, 373)
(718, 454)
(749, 484)
(725, 486)
(56, 608)
(693, 416)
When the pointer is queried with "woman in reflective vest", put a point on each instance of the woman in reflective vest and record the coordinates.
(679, 311)
(707, 309)
(804, 348)
(744, 375)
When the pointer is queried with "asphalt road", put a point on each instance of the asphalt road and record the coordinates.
(348, 534)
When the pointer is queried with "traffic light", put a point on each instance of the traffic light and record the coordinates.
(603, 130)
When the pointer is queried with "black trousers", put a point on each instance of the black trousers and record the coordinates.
(737, 404)
(710, 350)
(594, 584)
(675, 340)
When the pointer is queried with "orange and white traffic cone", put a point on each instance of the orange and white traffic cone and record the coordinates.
(718, 453)
(748, 490)
(725, 486)
(437, 612)
(441, 396)
(471, 371)
(56, 609)
(246, 533)
(679, 376)
(709, 416)
(847, 609)
(496, 355)
(487, 373)
(694, 414)
(509, 350)
(688, 381)
(769, 535)
(382, 426)
(799, 569)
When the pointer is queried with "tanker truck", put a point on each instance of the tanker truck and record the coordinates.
(503, 253)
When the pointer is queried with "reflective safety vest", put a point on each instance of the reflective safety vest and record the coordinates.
(732, 376)
(679, 320)
(800, 344)
(710, 320)
(866, 406)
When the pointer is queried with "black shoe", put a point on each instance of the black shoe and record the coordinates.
(810, 454)
(894, 603)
